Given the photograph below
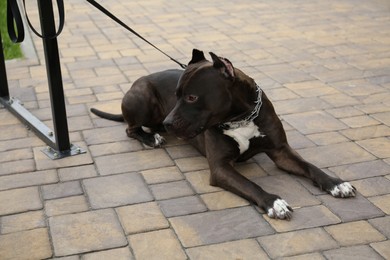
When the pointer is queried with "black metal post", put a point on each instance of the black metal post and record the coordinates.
(4, 93)
(54, 76)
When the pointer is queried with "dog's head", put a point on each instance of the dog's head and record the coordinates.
(203, 96)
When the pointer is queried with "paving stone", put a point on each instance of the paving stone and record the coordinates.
(359, 121)
(351, 209)
(382, 202)
(19, 200)
(67, 205)
(327, 138)
(343, 112)
(250, 170)
(76, 173)
(117, 254)
(161, 244)
(60, 190)
(382, 224)
(312, 256)
(354, 233)
(311, 88)
(20, 166)
(192, 164)
(28, 179)
(20, 143)
(383, 117)
(303, 218)
(181, 151)
(141, 218)
(200, 181)
(16, 155)
(171, 190)
(354, 252)
(23, 221)
(314, 122)
(366, 132)
(299, 105)
(223, 200)
(340, 100)
(380, 147)
(116, 190)
(219, 226)
(382, 248)
(131, 162)
(335, 154)
(86, 232)
(182, 206)
(13, 132)
(372, 186)
(289, 189)
(166, 174)
(297, 242)
(43, 162)
(241, 249)
(105, 135)
(361, 170)
(32, 244)
(129, 145)
(298, 141)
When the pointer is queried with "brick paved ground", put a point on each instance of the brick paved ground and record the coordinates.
(324, 64)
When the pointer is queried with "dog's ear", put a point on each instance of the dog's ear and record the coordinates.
(197, 56)
(224, 65)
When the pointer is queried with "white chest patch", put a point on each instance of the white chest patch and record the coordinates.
(243, 134)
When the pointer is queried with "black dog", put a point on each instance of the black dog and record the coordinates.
(227, 117)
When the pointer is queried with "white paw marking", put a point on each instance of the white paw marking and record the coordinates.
(343, 190)
(158, 140)
(280, 210)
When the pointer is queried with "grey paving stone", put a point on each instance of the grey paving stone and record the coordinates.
(23, 221)
(380, 147)
(361, 170)
(192, 163)
(105, 135)
(288, 189)
(182, 206)
(372, 186)
(19, 200)
(117, 254)
(19, 166)
(241, 249)
(86, 232)
(141, 218)
(31, 244)
(303, 218)
(165, 174)
(219, 226)
(116, 190)
(366, 132)
(297, 242)
(336, 154)
(171, 190)
(382, 248)
(28, 179)
(351, 209)
(154, 245)
(131, 162)
(76, 173)
(382, 224)
(314, 122)
(67, 205)
(354, 252)
(60, 190)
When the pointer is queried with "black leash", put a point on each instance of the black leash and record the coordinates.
(14, 17)
(113, 17)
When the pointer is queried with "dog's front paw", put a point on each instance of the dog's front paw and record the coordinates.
(280, 210)
(343, 190)
(158, 140)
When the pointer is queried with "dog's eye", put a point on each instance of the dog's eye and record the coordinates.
(191, 98)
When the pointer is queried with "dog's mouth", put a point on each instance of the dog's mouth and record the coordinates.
(183, 129)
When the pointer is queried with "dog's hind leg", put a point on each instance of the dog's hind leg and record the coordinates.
(149, 139)
(289, 160)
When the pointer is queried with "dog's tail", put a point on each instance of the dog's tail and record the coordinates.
(105, 115)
